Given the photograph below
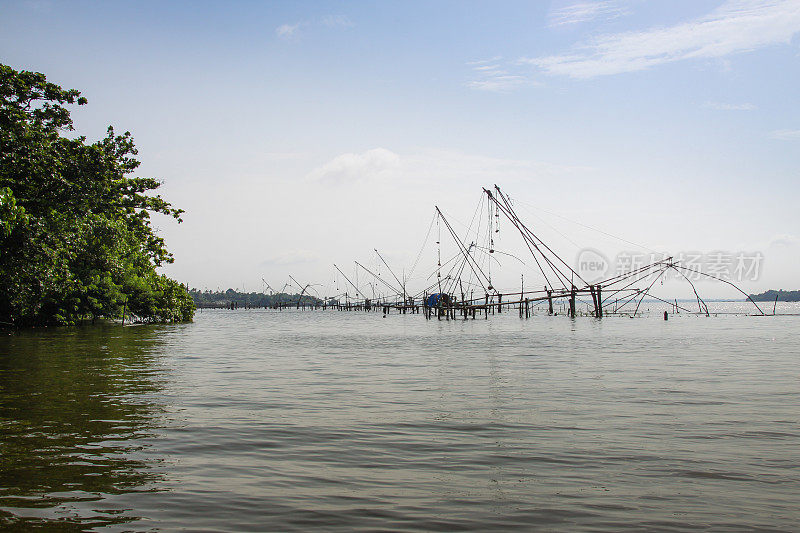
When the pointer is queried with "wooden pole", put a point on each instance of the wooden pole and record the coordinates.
(572, 302)
(599, 302)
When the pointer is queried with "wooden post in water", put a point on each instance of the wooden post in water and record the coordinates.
(572, 302)
(599, 302)
(549, 300)
(499, 303)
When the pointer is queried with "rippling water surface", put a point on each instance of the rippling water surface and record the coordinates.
(265, 420)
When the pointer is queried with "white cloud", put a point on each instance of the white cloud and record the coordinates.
(498, 83)
(784, 240)
(287, 31)
(486, 61)
(354, 167)
(735, 27)
(584, 12)
(721, 106)
(786, 135)
(490, 76)
(432, 165)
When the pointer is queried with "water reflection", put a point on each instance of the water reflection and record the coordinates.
(77, 408)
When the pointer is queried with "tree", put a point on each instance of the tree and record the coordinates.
(76, 239)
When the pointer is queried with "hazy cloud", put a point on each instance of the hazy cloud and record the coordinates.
(721, 106)
(432, 165)
(584, 12)
(784, 240)
(291, 257)
(42, 6)
(736, 26)
(283, 156)
(786, 135)
(287, 31)
(337, 21)
(350, 166)
(491, 76)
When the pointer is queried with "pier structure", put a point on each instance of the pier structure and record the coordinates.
(463, 286)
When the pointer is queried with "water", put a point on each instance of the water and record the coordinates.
(261, 420)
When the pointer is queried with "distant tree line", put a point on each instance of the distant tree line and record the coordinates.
(76, 241)
(782, 295)
(213, 299)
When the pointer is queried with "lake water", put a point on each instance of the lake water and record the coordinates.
(279, 421)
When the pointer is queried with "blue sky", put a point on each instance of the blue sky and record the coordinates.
(297, 134)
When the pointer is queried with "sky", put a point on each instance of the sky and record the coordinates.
(299, 135)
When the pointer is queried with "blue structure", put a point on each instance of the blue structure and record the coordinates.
(437, 299)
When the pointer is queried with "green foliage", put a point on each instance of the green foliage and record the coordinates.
(76, 239)
(11, 214)
(781, 295)
(211, 299)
